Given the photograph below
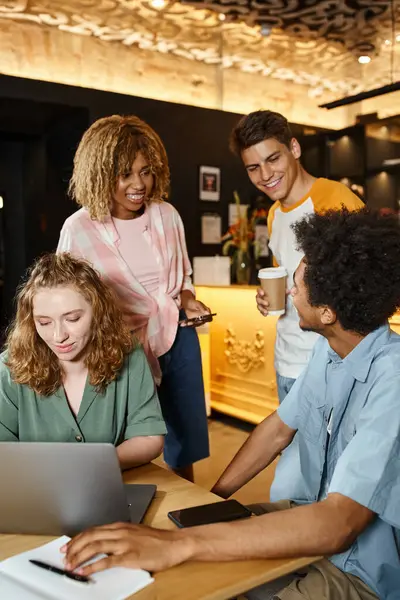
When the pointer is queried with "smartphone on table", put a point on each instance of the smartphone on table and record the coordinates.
(218, 512)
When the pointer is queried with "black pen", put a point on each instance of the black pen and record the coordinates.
(58, 571)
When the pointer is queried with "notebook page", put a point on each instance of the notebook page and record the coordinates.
(113, 584)
(10, 589)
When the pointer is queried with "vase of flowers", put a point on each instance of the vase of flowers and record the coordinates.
(243, 266)
(243, 246)
(260, 251)
(236, 244)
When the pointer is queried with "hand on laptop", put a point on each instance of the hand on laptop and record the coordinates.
(127, 545)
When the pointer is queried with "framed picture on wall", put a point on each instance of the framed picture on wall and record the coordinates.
(209, 183)
(211, 229)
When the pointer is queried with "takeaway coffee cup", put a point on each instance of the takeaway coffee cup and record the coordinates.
(273, 282)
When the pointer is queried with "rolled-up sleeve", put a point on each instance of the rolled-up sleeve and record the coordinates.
(144, 411)
(368, 471)
(288, 411)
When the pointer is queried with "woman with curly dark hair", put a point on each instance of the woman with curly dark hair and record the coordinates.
(136, 239)
(72, 371)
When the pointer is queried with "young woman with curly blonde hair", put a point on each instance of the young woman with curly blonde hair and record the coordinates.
(71, 371)
(136, 240)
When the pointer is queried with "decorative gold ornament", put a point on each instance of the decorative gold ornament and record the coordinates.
(245, 355)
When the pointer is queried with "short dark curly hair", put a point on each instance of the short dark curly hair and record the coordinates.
(259, 126)
(352, 265)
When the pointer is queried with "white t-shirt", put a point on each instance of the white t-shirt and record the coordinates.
(293, 346)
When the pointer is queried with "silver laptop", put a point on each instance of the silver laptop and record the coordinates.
(61, 488)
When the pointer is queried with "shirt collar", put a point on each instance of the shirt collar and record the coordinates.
(358, 362)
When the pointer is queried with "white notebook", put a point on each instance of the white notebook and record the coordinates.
(21, 580)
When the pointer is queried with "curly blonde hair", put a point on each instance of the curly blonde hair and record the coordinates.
(32, 362)
(107, 151)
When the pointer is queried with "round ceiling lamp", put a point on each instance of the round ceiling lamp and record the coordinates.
(157, 3)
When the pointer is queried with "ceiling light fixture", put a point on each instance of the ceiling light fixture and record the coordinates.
(389, 162)
(157, 3)
(265, 30)
(364, 59)
(221, 17)
(397, 38)
(385, 89)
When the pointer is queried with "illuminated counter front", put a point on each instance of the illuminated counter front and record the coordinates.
(238, 353)
(238, 358)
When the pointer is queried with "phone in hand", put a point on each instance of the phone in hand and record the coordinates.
(218, 512)
(196, 321)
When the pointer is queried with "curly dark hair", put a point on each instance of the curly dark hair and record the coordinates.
(352, 265)
(259, 126)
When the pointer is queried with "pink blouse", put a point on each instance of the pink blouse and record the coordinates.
(153, 319)
(136, 251)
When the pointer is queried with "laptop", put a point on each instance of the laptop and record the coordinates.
(63, 488)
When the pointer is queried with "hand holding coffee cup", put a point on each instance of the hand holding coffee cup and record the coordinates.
(262, 302)
(271, 296)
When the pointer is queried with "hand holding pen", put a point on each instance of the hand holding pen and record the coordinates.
(59, 571)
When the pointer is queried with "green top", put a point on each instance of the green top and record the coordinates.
(128, 408)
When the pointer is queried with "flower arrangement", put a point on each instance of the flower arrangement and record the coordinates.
(241, 235)
(240, 242)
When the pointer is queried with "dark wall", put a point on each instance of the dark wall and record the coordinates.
(383, 180)
(57, 115)
(353, 155)
(347, 153)
(192, 136)
(37, 145)
(379, 150)
(60, 140)
(48, 120)
(12, 217)
(383, 190)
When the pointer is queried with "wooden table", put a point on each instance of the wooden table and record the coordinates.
(190, 581)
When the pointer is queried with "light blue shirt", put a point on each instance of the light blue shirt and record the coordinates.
(362, 459)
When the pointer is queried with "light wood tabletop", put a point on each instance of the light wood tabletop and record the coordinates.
(190, 581)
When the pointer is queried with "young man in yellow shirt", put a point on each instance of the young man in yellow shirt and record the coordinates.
(271, 156)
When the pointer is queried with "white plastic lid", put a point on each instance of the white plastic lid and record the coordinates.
(272, 273)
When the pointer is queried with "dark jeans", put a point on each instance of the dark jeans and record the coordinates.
(182, 400)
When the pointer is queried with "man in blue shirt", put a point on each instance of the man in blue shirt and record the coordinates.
(345, 408)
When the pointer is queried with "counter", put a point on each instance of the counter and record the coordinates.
(238, 356)
(238, 353)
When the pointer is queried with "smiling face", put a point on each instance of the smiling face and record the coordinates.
(63, 319)
(133, 189)
(311, 318)
(273, 167)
